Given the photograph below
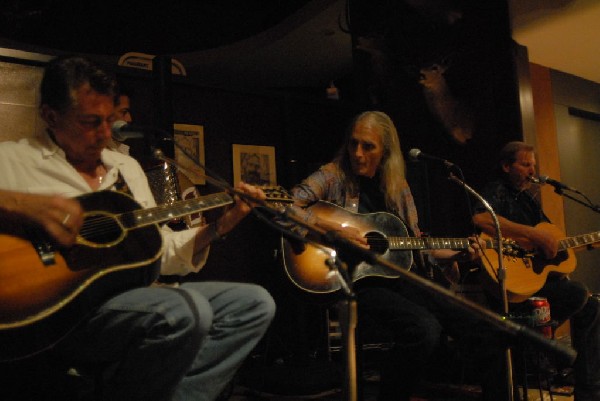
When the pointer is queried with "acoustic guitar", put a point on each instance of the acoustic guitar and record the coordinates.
(45, 291)
(306, 265)
(527, 274)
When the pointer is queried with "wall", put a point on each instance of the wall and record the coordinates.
(578, 138)
(567, 147)
(19, 99)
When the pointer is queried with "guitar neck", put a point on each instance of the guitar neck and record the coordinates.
(579, 241)
(159, 214)
(409, 243)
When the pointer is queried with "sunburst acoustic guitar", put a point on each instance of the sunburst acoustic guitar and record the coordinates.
(46, 291)
(386, 235)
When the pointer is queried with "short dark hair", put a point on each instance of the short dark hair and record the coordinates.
(65, 74)
(508, 154)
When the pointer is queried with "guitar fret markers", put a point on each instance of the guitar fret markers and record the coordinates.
(427, 243)
(181, 208)
(581, 240)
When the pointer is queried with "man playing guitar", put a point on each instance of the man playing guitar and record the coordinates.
(522, 219)
(164, 343)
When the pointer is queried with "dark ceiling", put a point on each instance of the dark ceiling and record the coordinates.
(256, 43)
(155, 26)
(259, 43)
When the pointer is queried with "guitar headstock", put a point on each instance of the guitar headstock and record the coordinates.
(277, 195)
(511, 248)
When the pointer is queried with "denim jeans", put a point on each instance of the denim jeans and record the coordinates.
(241, 315)
(172, 343)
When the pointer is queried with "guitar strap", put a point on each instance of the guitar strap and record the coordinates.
(121, 186)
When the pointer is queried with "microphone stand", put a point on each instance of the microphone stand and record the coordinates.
(501, 274)
(513, 329)
(348, 315)
(560, 191)
(348, 318)
(341, 271)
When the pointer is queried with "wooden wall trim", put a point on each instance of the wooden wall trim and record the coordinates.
(546, 140)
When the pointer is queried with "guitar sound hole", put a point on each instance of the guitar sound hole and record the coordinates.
(100, 229)
(378, 243)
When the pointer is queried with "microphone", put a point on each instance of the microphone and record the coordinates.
(544, 179)
(416, 154)
(122, 131)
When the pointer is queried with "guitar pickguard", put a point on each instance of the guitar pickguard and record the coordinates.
(539, 263)
(306, 265)
(387, 225)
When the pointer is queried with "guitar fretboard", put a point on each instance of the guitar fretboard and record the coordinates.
(143, 217)
(406, 243)
(578, 241)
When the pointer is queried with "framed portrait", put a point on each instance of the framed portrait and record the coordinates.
(189, 150)
(254, 164)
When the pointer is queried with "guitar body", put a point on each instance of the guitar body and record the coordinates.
(306, 265)
(527, 275)
(41, 302)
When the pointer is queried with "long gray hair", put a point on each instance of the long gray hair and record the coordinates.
(392, 167)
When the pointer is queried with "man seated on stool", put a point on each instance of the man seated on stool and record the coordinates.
(519, 213)
(181, 343)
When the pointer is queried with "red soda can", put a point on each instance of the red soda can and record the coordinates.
(540, 315)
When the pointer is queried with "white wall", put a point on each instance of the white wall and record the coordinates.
(19, 100)
(579, 154)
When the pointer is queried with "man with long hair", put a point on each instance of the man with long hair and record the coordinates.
(367, 176)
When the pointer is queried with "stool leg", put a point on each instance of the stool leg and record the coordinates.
(539, 374)
(525, 384)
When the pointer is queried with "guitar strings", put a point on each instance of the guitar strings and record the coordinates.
(102, 224)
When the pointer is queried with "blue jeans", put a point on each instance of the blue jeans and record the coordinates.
(241, 315)
(172, 343)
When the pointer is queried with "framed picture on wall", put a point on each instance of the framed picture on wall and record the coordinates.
(254, 164)
(189, 150)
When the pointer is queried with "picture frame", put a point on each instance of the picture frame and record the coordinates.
(254, 165)
(189, 150)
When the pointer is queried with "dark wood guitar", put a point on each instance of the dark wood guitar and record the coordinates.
(386, 235)
(527, 274)
(46, 291)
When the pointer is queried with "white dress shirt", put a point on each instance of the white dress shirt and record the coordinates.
(38, 165)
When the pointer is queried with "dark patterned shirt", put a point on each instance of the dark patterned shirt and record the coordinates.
(515, 205)
(327, 184)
